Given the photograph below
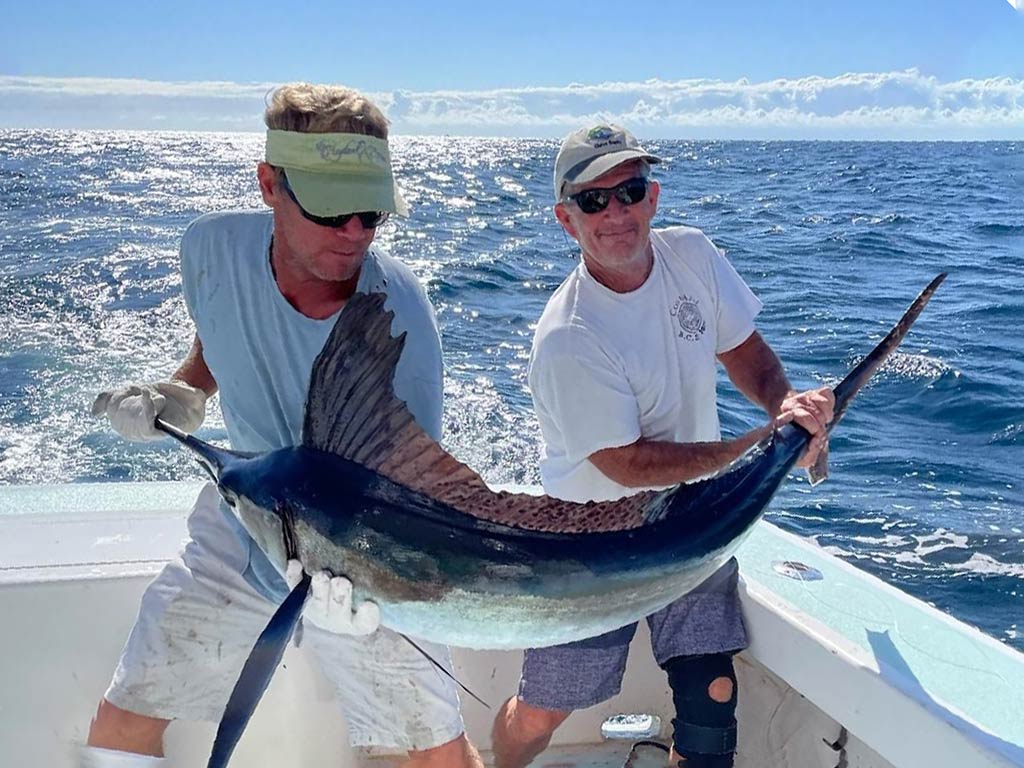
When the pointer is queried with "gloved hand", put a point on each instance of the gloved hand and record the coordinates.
(329, 605)
(133, 409)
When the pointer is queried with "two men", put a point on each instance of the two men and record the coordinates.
(623, 379)
(633, 335)
(263, 292)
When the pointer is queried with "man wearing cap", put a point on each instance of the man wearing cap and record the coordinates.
(264, 291)
(622, 374)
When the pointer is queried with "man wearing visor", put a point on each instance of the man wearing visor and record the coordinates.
(623, 376)
(264, 291)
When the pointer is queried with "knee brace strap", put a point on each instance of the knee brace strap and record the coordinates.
(703, 727)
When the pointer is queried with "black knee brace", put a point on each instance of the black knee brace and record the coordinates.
(704, 729)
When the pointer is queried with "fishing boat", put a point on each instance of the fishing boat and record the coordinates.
(843, 670)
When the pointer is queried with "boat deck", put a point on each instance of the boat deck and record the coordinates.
(840, 660)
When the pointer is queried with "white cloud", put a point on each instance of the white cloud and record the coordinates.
(1018, 4)
(903, 105)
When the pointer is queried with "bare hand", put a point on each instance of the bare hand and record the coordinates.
(813, 410)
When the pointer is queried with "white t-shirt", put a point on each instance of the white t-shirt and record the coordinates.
(608, 368)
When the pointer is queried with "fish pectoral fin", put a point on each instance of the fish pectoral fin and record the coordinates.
(256, 673)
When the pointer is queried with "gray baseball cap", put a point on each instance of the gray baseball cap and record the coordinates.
(591, 152)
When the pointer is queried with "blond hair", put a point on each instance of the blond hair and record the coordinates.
(309, 108)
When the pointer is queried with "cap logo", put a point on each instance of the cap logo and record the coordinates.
(362, 149)
(604, 136)
(600, 133)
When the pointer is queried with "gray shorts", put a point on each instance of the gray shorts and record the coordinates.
(584, 673)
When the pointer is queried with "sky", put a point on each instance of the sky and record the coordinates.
(792, 69)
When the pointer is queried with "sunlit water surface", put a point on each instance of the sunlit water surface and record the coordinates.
(836, 239)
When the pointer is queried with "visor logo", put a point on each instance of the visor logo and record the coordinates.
(361, 149)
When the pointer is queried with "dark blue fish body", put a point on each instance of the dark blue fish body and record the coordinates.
(449, 576)
(370, 496)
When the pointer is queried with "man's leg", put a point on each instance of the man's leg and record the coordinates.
(694, 640)
(394, 699)
(704, 696)
(195, 628)
(555, 682)
(458, 753)
(118, 729)
(521, 732)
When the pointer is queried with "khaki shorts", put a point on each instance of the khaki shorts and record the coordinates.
(200, 618)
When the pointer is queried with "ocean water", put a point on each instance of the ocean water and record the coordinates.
(836, 238)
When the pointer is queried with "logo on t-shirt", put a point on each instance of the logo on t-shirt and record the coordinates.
(691, 321)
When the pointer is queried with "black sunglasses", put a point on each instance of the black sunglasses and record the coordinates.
(629, 192)
(369, 219)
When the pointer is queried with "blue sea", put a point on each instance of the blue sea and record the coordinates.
(836, 239)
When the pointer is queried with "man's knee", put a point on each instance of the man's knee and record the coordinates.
(522, 731)
(704, 695)
(530, 722)
(118, 729)
(457, 753)
(721, 689)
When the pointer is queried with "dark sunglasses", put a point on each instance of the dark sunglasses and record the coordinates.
(629, 192)
(369, 219)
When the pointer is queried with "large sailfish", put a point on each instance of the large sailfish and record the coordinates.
(369, 495)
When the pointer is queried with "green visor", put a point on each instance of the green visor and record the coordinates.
(336, 173)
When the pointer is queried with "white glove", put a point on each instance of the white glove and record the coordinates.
(132, 410)
(329, 605)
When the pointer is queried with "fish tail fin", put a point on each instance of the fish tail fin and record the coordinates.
(445, 671)
(858, 377)
(256, 673)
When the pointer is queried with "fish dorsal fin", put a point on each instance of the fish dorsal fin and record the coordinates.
(352, 411)
(351, 403)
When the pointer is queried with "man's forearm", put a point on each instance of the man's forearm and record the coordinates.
(194, 371)
(757, 372)
(648, 463)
